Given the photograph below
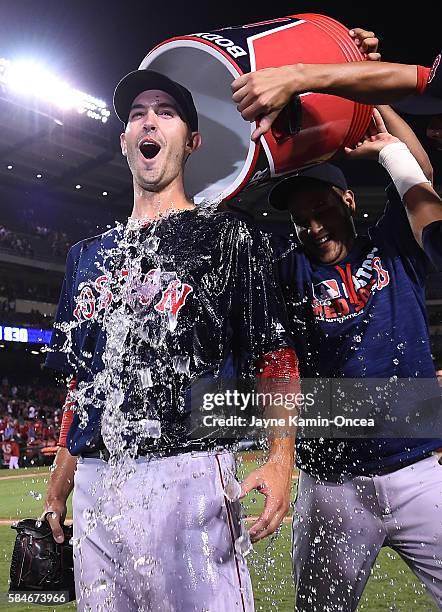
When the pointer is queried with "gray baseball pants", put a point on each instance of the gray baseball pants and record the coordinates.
(162, 539)
(339, 528)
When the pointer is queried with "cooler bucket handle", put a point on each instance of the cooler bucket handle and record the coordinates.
(289, 121)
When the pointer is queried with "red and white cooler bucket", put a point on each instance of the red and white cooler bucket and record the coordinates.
(312, 130)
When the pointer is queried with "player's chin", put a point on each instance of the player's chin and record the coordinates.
(327, 254)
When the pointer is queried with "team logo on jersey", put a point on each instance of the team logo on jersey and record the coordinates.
(97, 296)
(326, 290)
(346, 296)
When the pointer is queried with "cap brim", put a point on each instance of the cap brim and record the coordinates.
(138, 81)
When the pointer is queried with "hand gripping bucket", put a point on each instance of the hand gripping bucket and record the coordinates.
(312, 128)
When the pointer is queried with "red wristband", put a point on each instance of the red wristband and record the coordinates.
(68, 414)
(423, 75)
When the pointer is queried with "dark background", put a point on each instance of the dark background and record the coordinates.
(92, 44)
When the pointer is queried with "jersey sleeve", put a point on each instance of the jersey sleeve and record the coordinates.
(62, 350)
(258, 316)
(396, 232)
(432, 242)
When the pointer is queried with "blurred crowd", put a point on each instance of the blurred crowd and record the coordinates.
(15, 242)
(30, 418)
(57, 240)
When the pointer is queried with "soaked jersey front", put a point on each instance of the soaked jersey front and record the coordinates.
(147, 311)
(365, 318)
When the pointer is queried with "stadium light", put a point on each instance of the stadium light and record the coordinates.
(29, 78)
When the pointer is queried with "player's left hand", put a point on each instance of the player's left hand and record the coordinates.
(376, 138)
(263, 94)
(274, 481)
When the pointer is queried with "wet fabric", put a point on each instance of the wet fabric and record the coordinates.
(166, 539)
(145, 312)
(365, 317)
(340, 525)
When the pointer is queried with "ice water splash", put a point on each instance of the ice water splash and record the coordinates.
(232, 490)
(145, 373)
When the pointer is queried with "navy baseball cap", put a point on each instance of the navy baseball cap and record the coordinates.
(430, 101)
(327, 173)
(138, 81)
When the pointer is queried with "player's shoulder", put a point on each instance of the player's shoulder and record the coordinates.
(209, 225)
(238, 224)
(93, 244)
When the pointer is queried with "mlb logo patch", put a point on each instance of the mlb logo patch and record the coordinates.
(326, 290)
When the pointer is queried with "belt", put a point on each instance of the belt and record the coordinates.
(394, 468)
(104, 454)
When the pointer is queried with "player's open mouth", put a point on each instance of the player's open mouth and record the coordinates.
(149, 149)
(318, 242)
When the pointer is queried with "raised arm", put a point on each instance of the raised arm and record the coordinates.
(264, 93)
(423, 205)
(398, 127)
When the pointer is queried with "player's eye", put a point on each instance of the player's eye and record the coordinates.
(165, 111)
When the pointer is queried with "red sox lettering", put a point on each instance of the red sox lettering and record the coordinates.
(98, 295)
(348, 295)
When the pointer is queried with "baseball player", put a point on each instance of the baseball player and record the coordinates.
(14, 454)
(11, 453)
(363, 301)
(174, 297)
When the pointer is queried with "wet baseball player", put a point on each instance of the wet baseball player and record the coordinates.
(363, 300)
(175, 296)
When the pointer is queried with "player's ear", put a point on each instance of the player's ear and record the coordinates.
(123, 144)
(348, 198)
(194, 142)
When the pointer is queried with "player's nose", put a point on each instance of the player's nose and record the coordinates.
(150, 122)
(315, 226)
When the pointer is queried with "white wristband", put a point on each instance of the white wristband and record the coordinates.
(403, 168)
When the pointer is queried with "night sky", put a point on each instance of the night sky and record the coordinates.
(93, 44)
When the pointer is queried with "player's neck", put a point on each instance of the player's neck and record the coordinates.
(156, 204)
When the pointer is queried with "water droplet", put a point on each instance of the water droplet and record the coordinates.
(145, 378)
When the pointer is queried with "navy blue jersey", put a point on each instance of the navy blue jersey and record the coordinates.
(146, 312)
(365, 318)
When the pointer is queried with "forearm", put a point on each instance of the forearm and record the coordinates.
(396, 126)
(423, 206)
(279, 377)
(282, 451)
(422, 203)
(61, 481)
(366, 82)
